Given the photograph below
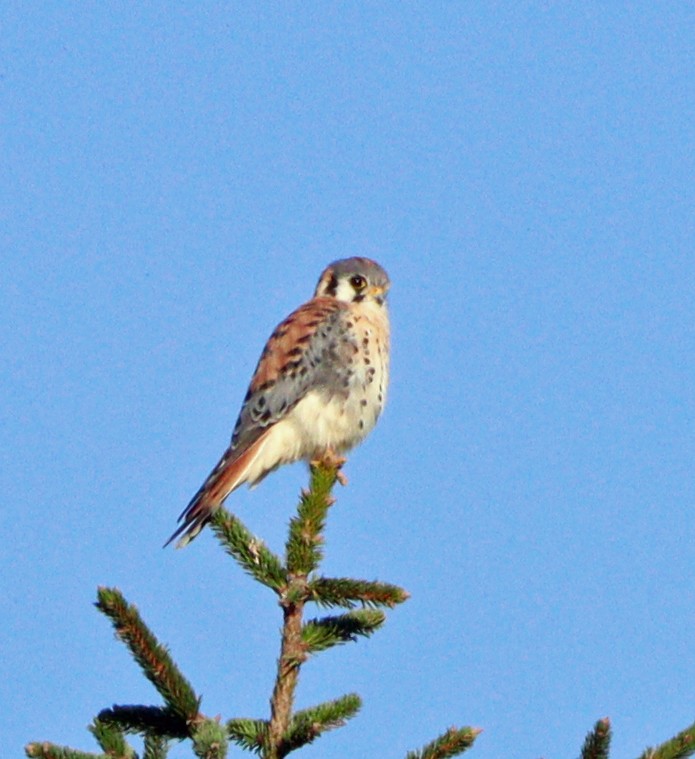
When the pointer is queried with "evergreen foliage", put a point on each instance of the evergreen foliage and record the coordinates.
(678, 747)
(296, 582)
(153, 658)
(597, 741)
(452, 743)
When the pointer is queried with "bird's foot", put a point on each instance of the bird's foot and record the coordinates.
(332, 460)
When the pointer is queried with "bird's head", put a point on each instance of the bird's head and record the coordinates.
(354, 280)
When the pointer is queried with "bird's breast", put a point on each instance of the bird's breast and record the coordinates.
(342, 411)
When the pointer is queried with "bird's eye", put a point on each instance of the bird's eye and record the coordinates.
(358, 282)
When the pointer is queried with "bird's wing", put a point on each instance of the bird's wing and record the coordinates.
(304, 352)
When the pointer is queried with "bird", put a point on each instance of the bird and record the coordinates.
(317, 391)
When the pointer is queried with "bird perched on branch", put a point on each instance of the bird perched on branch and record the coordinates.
(318, 389)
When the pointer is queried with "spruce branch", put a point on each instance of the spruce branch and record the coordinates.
(304, 544)
(295, 584)
(678, 747)
(251, 734)
(292, 655)
(452, 743)
(47, 750)
(309, 724)
(347, 593)
(146, 720)
(156, 747)
(303, 554)
(111, 740)
(320, 634)
(152, 656)
(209, 739)
(598, 741)
(250, 553)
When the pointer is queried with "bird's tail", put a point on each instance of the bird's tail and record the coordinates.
(232, 470)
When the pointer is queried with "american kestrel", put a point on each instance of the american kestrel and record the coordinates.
(318, 389)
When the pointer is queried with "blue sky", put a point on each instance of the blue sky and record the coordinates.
(175, 177)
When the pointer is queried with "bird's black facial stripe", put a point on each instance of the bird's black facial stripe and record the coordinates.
(332, 287)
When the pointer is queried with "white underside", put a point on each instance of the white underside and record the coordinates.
(312, 427)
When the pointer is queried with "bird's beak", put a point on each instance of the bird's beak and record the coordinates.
(375, 291)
